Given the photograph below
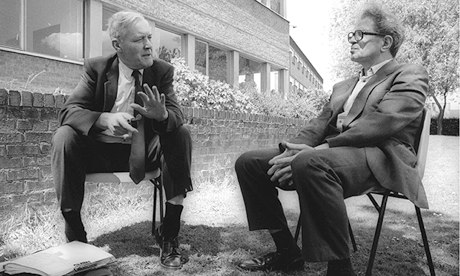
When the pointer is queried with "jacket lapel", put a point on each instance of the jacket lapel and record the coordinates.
(343, 92)
(111, 86)
(361, 99)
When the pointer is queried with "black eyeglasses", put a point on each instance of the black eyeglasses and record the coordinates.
(358, 35)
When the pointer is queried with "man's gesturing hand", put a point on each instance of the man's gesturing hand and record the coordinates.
(154, 104)
(117, 123)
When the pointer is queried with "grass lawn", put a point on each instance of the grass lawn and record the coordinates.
(214, 229)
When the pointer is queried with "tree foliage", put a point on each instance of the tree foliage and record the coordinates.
(432, 40)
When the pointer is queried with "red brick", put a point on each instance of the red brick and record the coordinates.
(14, 98)
(27, 98)
(38, 136)
(3, 96)
(9, 187)
(10, 137)
(48, 100)
(23, 173)
(22, 149)
(38, 100)
(24, 125)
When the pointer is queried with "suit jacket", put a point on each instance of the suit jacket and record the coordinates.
(383, 119)
(97, 91)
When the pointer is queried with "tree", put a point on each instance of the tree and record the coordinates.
(432, 40)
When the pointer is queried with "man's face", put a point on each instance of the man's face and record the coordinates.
(368, 49)
(134, 45)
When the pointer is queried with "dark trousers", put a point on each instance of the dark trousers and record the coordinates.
(73, 155)
(322, 178)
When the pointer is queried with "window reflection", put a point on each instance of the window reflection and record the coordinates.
(107, 47)
(217, 64)
(54, 33)
(10, 22)
(201, 57)
(249, 76)
(168, 45)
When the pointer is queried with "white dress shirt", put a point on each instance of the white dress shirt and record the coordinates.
(125, 97)
(363, 78)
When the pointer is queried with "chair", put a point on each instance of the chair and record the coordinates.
(422, 150)
(155, 177)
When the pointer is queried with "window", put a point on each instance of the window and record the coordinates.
(10, 23)
(167, 44)
(58, 34)
(107, 47)
(275, 5)
(249, 75)
(217, 64)
(201, 57)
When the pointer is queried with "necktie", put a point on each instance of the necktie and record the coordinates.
(137, 156)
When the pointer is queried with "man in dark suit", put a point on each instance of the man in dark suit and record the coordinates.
(362, 139)
(111, 123)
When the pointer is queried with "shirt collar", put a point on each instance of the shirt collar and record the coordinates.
(373, 69)
(126, 71)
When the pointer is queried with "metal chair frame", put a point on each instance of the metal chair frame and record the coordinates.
(422, 148)
(155, 177)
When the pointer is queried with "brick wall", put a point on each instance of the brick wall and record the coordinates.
(16, 68)
(28, 120)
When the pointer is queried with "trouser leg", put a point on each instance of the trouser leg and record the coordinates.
(177, 151)
(323, 178)
(263, 208)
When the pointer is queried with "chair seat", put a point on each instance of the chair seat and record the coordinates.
(118, 177)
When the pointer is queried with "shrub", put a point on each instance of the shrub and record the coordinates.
(197, 90)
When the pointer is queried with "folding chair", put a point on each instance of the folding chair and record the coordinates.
(155, 177)
(422, 150)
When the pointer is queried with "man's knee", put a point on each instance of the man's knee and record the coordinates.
(64, 136)
(242, 161)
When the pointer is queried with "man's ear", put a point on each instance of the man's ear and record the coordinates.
(116, 45)
(387, 42)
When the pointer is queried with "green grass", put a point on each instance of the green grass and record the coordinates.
(120, 223)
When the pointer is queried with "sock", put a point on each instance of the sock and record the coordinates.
(285, 243)
(74, 228)
(171, 221)
(340, 268)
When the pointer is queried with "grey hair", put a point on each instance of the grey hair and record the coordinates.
(120, 21)
(385, 23)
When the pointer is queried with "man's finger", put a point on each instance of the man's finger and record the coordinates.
(127, 126)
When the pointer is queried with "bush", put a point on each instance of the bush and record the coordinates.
(197, 90)
(450, 127)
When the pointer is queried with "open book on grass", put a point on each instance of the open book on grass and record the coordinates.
(67, 259)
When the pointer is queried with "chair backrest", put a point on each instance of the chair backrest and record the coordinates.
(422, 145)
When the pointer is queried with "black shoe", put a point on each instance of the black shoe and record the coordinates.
(273, 261)
(170, 256)
(75, 235)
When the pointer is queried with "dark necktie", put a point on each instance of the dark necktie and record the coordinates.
(137, 156)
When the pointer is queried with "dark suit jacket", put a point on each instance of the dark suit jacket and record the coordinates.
(97, 90)
(384, 119)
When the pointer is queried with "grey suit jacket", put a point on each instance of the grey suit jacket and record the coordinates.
(383, 119)
(97, 91)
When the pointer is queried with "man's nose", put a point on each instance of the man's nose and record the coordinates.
(148, 44)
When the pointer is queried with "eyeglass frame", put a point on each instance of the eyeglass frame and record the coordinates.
(353, 35)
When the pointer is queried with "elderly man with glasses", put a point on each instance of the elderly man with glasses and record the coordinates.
(362, 139)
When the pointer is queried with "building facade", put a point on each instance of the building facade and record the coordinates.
(303, 74)
(242, 42)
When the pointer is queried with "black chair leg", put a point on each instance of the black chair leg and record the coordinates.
(425, 241)
(377, 235)
(352, 237)
(157, 194)
(297, 230)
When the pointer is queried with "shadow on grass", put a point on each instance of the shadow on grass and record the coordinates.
(216, 250)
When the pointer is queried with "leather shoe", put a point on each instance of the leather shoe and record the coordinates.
(273, 261)
(170, 256)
